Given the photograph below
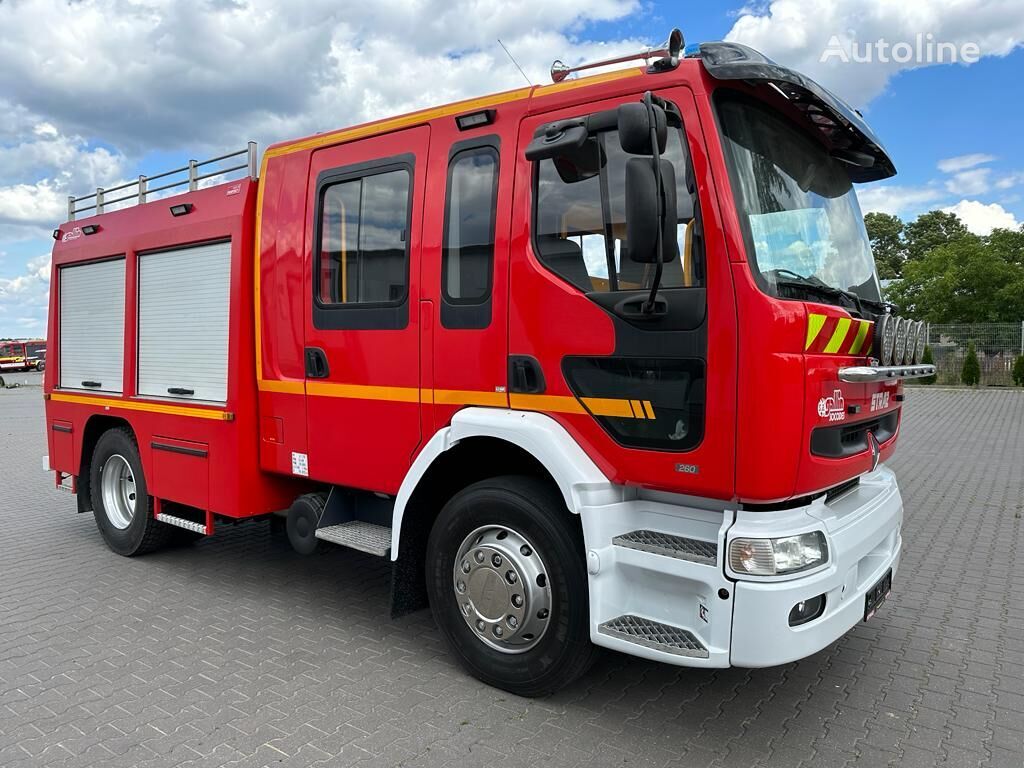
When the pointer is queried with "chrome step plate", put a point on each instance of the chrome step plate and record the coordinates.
(366, 537)
(680, 547)
(181, 522)
(655, 635)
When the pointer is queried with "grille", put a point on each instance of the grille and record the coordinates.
(655, 635)
(681, 547)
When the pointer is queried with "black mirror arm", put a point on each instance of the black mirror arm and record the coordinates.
(649, 307)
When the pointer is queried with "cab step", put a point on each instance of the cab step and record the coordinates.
(181, 522)
(358, 534)
(679, 547)
(655, 635)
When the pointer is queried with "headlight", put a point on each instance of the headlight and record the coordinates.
(922, 339)
(774, 557)
(900, 348)
(885, 337)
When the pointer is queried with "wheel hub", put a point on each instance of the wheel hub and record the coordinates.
(501, 588)
(117, 487)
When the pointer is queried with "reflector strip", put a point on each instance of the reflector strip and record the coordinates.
(136, 405)
(814, 324)
(858, 340)
(838, 336)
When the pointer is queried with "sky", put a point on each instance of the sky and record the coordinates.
(95, 92)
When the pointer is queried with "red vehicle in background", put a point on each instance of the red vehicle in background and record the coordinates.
(18, 356)
(598, 363)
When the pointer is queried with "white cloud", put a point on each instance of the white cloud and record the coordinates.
(981, 219)
(24, 299)
(964, 162)
(797, 33)
(976, 181)
(896, 200)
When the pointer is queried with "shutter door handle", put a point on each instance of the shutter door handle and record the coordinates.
(92, 384)
(180, 391)
(316, 363)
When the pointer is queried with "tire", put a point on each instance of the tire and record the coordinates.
(303, 519)
(40, 367)
(114, 460)
(3, 384)
(524, 521)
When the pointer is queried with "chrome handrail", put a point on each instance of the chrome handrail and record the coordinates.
(143, 188)
(860, 374)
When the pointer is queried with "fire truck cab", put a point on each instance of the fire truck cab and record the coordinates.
(601, 363)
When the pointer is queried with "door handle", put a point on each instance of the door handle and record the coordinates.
(316, 363)
(525, 376)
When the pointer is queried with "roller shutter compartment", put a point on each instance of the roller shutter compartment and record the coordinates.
(184, 299)
(92, 326)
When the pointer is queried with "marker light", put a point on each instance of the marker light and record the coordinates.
(475, 119)
(922, 340)
(181, 209)
(90, 229)
(775, 557)
(900, 348)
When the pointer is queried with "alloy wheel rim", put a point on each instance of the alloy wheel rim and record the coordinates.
(117, 487)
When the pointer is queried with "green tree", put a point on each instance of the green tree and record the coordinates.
(971, 372)
(931, 230)
(927, 359)
(969, 280)
(886, 234)
(1018, 371)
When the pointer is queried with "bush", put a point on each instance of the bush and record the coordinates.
(971, 372)
(928, 359)
(1018, 371)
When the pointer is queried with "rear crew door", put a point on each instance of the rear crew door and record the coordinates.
(362, 320)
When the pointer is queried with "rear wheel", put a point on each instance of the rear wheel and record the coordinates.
(120, 501)
(508, 585)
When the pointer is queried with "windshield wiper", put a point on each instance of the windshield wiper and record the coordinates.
(818, 286)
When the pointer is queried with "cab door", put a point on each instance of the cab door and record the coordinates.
(362, 321)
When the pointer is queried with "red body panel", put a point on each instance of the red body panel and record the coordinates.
(389, 391)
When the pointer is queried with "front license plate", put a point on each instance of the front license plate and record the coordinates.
(877, 594)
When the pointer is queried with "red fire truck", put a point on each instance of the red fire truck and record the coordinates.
(18, 356)
(599, 363)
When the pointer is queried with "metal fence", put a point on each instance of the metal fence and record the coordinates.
(998, 345)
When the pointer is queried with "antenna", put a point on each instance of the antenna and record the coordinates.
(513, 58)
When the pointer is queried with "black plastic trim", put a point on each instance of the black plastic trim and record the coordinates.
(391, 315)
(179, 449)
(61, 428)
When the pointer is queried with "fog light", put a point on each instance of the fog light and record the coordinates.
(774, 557)
(807, 610)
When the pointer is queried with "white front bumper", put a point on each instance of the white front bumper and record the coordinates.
(738, 621)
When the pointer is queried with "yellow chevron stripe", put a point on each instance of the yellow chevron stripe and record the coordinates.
(858, 340)
(814, 324)
(838, 336)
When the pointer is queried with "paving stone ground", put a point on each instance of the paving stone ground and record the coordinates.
(238, 652)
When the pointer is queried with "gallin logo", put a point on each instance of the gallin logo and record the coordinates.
(833, 408)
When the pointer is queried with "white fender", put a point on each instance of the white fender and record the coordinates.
(578, 478)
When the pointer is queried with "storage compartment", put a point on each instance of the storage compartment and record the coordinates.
(92, 326)
(62, 453)
(183, 322)
(181, 471)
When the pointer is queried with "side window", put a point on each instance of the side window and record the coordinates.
(363, 240)
(467, 259)
(579, 219)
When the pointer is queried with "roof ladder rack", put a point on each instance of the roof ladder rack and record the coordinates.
(143, 189)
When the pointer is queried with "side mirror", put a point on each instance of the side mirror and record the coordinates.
(634, 126)
(642, 220)
(557, 140)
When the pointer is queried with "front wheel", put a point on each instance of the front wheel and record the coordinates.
(508, 585)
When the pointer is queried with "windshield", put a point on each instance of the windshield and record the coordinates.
(801, 220)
